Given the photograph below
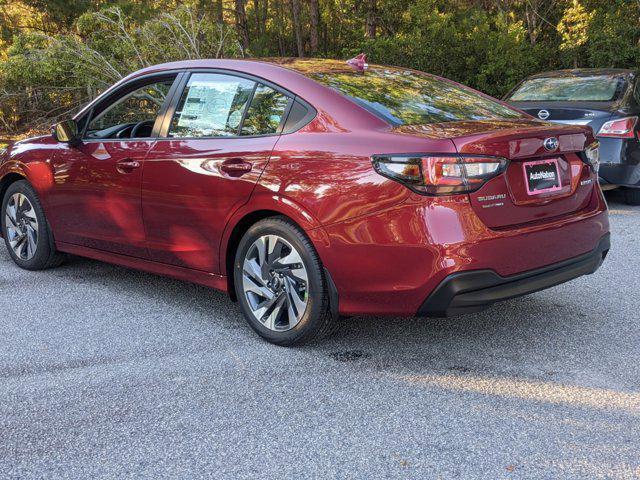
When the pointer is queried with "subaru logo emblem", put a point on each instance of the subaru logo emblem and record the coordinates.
(543, 114)
(551, 143)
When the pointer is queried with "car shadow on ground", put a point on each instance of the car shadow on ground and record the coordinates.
(503, 340)
(515, 327)
(506, 337)
(507, 318)
(517, 322)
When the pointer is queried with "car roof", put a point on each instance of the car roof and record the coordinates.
(307, 66)
(584, 72)
(304, 66)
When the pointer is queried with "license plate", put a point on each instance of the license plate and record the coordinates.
(542, 176)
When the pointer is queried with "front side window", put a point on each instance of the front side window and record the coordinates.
(596, 88)
(212, 105)
(265, 112)
(132, 115)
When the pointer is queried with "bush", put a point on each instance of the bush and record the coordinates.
(489, 45)
(45, 78)
(492, 52)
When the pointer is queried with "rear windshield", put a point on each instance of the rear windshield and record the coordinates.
(598, 88)
(406, 97)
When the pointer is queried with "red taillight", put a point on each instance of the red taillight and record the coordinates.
(439, 174)
(620, 128)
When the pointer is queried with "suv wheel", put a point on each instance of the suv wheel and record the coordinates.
(280, 283)
(25, 229)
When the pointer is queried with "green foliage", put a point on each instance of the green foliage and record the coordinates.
(614, 35)
(573, 29)
(56, 55)
(492, 52)
(48, 76)
(61, 13)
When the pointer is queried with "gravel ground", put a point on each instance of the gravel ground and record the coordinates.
(112, 373)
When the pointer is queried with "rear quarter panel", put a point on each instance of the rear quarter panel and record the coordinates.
(329, 173)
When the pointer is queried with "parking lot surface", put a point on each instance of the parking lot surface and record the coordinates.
(111, 373)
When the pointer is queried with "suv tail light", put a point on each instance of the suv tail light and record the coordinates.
(620, 128)
(439, 174)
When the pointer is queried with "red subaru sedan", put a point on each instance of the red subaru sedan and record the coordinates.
(309, 189)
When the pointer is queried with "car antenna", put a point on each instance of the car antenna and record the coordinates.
(359, 62)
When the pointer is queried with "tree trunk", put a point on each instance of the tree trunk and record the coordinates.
(265, 15)
(531, 17)
(219, 11)
(278, 21)
(256, 14)
(241, 24)
(371, 22)
(315, 22)
(259, 8)
(297, 27)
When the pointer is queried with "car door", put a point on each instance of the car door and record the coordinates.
(217, 142)
(96, 201)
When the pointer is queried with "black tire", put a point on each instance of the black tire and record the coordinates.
(318, 319)
(46, 255)
(632, 196)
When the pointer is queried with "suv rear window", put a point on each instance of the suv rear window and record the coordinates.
(597, 88)
(408, 97)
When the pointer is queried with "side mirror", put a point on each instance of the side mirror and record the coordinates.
(66, 131)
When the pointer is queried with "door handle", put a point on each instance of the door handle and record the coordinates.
(127, 166)
(235, 167)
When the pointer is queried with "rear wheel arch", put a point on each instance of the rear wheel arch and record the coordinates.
(237, 232)
(242, 221)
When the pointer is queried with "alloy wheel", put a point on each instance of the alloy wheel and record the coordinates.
(21, 226)
(275, 283)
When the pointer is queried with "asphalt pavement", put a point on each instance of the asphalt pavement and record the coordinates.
(111, 373)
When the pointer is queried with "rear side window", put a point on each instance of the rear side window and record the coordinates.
(265, 112)
(298, 116)
(407, 97)
(596, 88)
(212, 105)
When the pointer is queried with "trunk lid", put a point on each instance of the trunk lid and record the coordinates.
(592, 114)
(508, 199)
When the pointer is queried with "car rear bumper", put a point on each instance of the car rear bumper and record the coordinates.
(472, 291)
(619, 162)
(620, 174)
(388, 263)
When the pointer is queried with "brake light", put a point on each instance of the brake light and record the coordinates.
(439, 174)
(620, 128)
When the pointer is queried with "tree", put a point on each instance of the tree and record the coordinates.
(55, 54)
(573, 28)
(614, 35)
(314, 15)
(241, 24)
(371, 19)
(297, 26)
(537, 17)
(219, 11)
